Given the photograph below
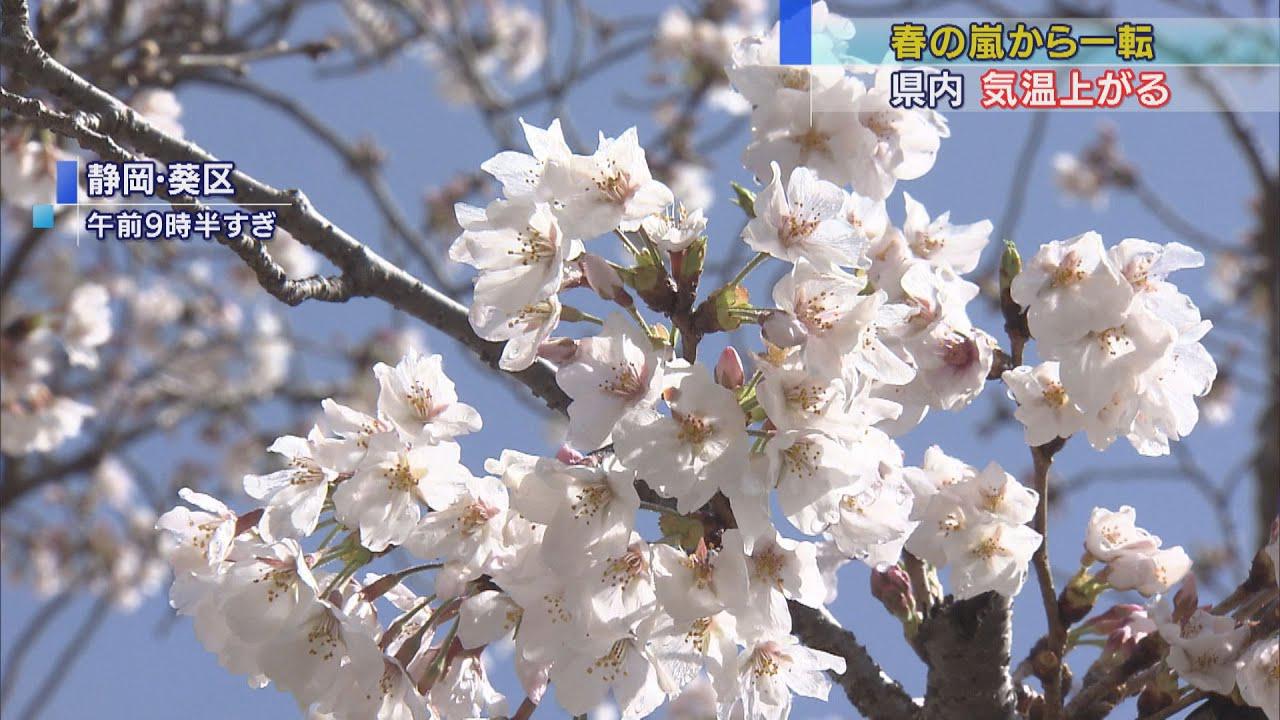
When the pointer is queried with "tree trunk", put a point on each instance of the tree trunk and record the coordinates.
(967, 644)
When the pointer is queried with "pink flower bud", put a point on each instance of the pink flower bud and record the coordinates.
(559, 350)
(892, 587)
(601, 276)
(729, 372)
(1115, 618)
(782, 329)
(569, 456)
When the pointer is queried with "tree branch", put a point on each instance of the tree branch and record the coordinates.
(104, 121)
(1042, 456)
(870, 689)
(967, 644)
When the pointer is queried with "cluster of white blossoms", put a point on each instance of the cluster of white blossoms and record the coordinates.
(867, 332)
(837, 123)
(1207, 647)
(507, 41)
(974, 522)
(1133, 556)
(1121, 344)
(1218, 653)
(704, 45)
(34, 418)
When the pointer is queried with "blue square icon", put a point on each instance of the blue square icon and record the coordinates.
(42, 216)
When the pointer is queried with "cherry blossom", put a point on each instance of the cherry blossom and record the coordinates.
(940, 242)
(775, 668)
(689, 454)
(611, 375)
(803, 220)
(420, 400)
(1258, 676)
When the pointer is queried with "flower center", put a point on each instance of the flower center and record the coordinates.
(989, 547)
(306, 472)
(533, 247)
(808, 398)
(767, 567)
(694, 430)
(815, 313)
(1055, 395)
(476, 516)
(625, 382)
(927, 244)
(400, 476)
(1068, 272)
(531, 315)
(802, 458)
(880, 123)
(796, 230)
(1115, 342)
(610, 665)
(591, 500)
(615, 184)
(814, 141)
(959, 351)
(767, 660)
(795, 79)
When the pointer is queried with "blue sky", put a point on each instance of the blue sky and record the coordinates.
(134, 670)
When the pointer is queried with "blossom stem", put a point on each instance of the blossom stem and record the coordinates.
(626, 241)
(750, 314)
(752, 264)
(1042, 457)
(337, 580)
(419, 568)
(635, 313)
(394, 628)
(569, 313)
(330, 535)
(526, 710)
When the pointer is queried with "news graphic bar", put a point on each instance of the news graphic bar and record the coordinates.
(66, 184)
(795, 33)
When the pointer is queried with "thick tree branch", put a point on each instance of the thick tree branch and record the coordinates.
(872, 692)
(967, 645)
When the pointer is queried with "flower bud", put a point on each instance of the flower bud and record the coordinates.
(744, 199)
(559, 350)
(724, 301)
(782, 329)
(380, 587)
(569, 456)
(729, 373)
(892, 587)
(248, 520)
(1010, 265)
(690, 261)
(1113, 619)
(602, 278)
